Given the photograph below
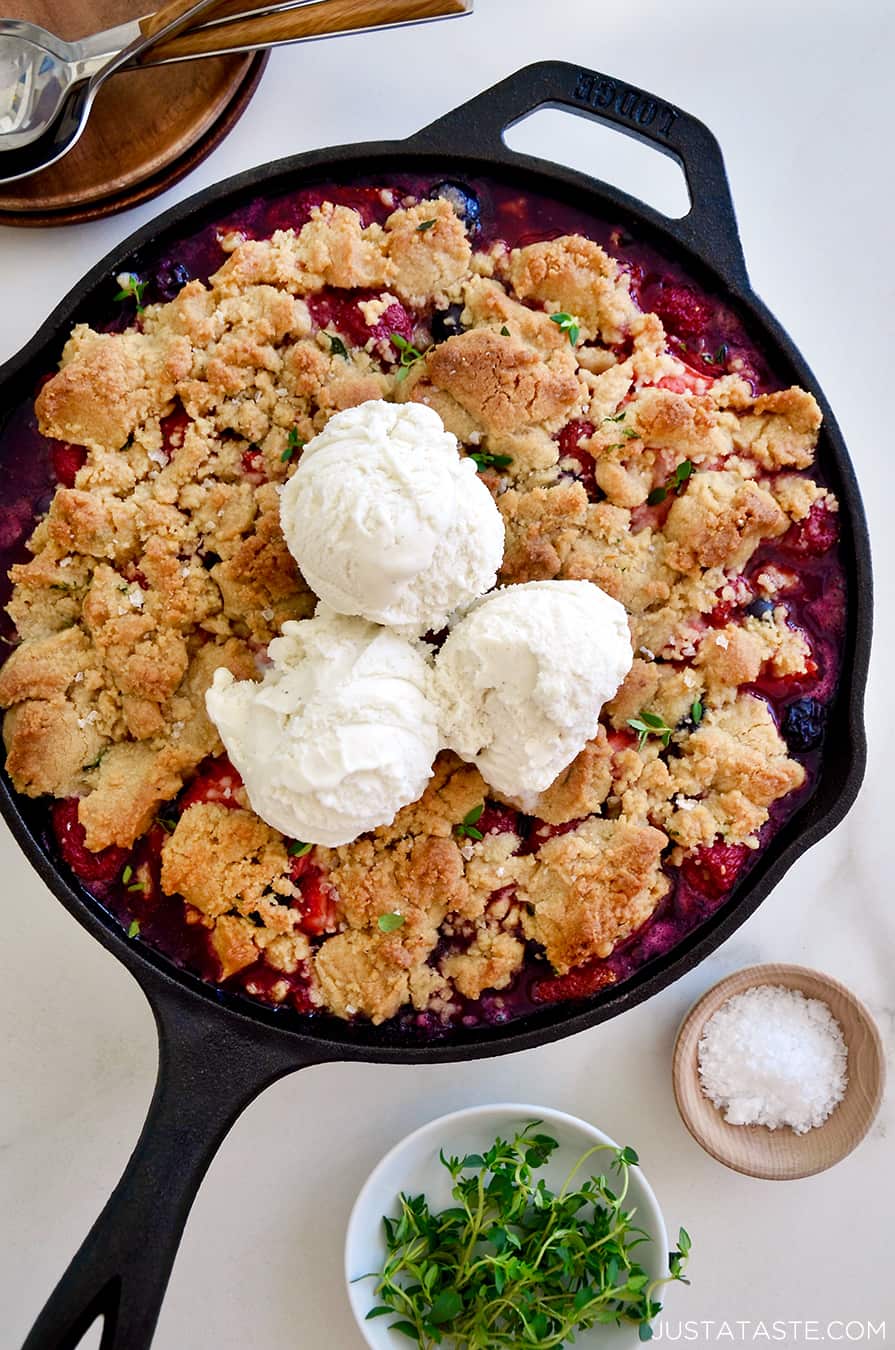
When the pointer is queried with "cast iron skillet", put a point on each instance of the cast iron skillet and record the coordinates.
(218, 1051)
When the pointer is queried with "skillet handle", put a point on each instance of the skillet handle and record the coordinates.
(709, 227)
(208, 1074)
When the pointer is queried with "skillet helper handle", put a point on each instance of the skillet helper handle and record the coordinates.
(207, 1076)
(710, 224)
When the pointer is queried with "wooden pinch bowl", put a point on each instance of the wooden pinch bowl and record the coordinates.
(783, 1155)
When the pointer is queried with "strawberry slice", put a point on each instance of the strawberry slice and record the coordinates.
(216, 782)
(570, 447)
(317, 903)
(580, 983)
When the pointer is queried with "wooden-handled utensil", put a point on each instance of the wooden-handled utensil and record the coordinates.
(297, 23)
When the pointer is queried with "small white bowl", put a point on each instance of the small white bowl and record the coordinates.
(413, 1166)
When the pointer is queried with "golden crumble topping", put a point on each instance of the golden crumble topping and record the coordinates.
(164, 560)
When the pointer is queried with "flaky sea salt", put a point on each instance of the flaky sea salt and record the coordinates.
(770, 1056)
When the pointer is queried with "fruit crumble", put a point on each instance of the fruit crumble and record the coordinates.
(630, 434)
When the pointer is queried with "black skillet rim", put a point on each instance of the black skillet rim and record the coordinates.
(844, 755)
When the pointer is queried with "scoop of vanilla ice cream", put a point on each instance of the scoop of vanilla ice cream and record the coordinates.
(387, 521)
(522, 678)
(338, 735)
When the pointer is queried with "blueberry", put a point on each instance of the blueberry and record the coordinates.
(760, 609)
(210, 560)
(803, 724)
(446, 323)
(170, 279)
(463, 200)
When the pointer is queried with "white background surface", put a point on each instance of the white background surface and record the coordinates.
(798, 93)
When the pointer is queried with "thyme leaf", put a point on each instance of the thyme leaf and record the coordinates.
(569, 325)
(675, 483)
(131, 288)
(649, 724)
(293, 442)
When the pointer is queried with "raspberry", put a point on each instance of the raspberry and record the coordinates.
(344, 313)
(105, 865)
(540, 832)
(580, 983)
(498, 819)
(217, 782)
(681, 309)
(713, 869)
(815, 534)
(67, 460)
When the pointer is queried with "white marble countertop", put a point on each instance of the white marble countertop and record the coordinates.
(799, 94)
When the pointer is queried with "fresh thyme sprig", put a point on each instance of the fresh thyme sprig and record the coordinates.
(298, 849)
(425, 225)
(675, 483)
(467, 827)
(293, 442)
(390, 923)
(409, 355)
(720, 356)
(483, 459)
(515, 1264)
(569, 325)
(131, 288)
(649, 724)
(337, 346)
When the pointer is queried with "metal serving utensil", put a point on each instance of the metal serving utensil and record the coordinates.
(51, 96)
(47, 85)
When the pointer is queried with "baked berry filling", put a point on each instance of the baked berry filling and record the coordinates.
(782, 603)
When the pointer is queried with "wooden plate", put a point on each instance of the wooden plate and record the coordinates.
(147, 127)
(783, 1155)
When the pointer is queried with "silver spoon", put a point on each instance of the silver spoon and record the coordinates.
(38, 70)
(47, 86)
(40, 74)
